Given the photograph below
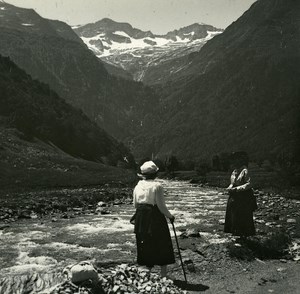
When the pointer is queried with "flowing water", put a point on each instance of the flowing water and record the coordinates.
(34, 252)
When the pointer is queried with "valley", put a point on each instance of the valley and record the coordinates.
(82, 107)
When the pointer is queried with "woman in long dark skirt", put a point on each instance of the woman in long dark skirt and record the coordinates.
(241, 202)
(154, 244)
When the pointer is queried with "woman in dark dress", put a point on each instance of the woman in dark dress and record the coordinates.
(241, 202)
(154, 244)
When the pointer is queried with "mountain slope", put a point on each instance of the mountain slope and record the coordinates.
(51, 52)
(241, 91)
(38, 112)
(27, 164)
(137, 51)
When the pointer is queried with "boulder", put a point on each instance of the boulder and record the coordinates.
(82, 271)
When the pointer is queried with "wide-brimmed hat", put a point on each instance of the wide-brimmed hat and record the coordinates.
(149, 168)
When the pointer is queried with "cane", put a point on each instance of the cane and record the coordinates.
(179, 252)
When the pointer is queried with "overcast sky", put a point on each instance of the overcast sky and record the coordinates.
(159, 16)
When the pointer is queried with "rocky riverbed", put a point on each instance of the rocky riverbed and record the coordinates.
(42, 232)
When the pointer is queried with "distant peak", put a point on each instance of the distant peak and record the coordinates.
(110, 21)
(76, 26)
(106, 19)
(198, 24)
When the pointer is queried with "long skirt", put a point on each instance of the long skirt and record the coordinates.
(154, 244)
(239, 215)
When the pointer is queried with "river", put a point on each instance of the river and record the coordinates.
(36, 251)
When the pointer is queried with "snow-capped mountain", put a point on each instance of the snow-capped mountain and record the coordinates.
(138, 51)
(52, 52)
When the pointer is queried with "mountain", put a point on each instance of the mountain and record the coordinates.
(51, 52)
(241, 91)
(138, 51)
(45, 141)
(34, 109)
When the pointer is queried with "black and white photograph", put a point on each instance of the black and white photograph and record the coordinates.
(149, 146)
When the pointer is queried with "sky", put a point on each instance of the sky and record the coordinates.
(158, 16)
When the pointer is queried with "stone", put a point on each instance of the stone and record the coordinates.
(102, 210)
(221, 222)
(101, 204)
(83, 271)
(24, 215)
(4, 226)
(33, 215)
(192, 233)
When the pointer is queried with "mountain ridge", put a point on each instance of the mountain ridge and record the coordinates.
(59, 58)
(138, 51)
(239, 92)
(38, 112)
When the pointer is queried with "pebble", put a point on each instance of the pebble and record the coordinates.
(131, 279)
(101, 204)
(3, 226)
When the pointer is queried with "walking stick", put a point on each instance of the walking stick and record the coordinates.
(179, 252)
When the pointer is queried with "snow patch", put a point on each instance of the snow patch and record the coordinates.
(114, 47)
(121, 33)
(211, 34)
(27, 24)
(76, 26)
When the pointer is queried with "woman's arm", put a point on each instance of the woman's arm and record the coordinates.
(232, 180)
(246, 179)
(160, 201)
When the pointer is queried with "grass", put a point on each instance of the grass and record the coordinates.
(30, 165)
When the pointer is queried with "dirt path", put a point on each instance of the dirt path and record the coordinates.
(43, 248)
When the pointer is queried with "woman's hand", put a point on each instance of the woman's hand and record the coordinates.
(229, 187)
(172, 219)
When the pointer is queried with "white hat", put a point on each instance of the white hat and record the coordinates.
(149, 167)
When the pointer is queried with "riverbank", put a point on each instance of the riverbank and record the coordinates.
(263, 181)
(45, 243)
(78, 196)
(61, 203)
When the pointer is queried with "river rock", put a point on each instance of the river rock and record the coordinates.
(190, 233)
(3, 226)
(291, 221)
(102, 210)
(83, 271)
(131, 279)
(24, 215)
(101, 204)
(193, 233)
(190, 265)
(117, 202)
